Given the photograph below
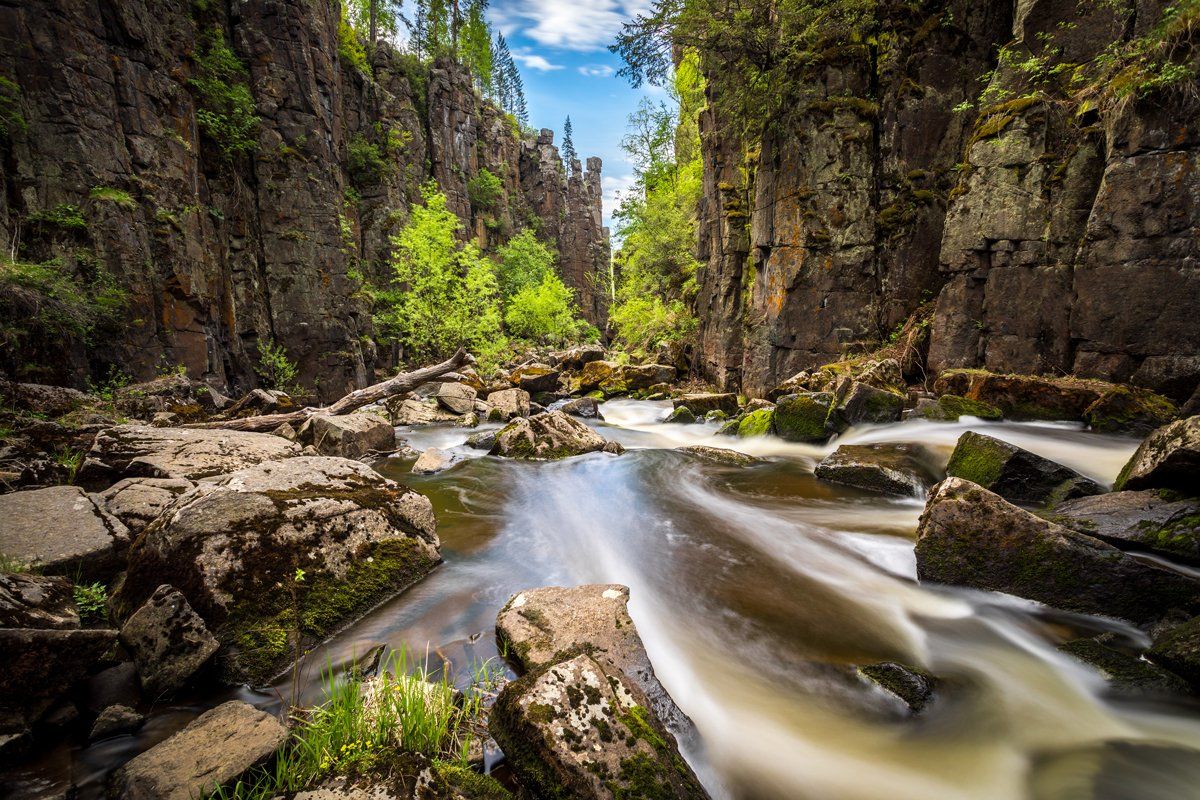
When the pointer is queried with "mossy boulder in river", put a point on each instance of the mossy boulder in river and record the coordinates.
(1179, 651)
(949, 407)
(899, 469)
(969, 536)
(1129, 410)
(1153, 519)
(295, 546)
(1015, 474)
(582, 729)
(1169, 458)
(857, 403)
(548, 436)
(702, 404)
(804, 417)
(1126, 673)
(756, 423)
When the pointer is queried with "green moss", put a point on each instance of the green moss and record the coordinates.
(468, 782)
(1177, 535)
(803, 417)
(978, 459)
(950, 407)
(1122, 409)
(757, 423)
(262, 627)
(1125, 672)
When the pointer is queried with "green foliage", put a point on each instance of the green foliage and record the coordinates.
(443, 293)
(524, 262)
(226, 107)
(365, 160)
(350, 47)
(63, 215)
(274, 368)
(11, 118)
(52, 304)
(546, 313)
(118, 197)
(13, 565)
(484, 190)
(92, 601)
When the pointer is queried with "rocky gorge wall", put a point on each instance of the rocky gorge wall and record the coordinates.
(109, 174)
(1050, 238)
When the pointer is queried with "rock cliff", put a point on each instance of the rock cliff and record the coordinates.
(1053, 237)
(112, 173)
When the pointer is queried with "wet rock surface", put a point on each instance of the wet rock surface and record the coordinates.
(1178, 649)
(549, 436)
(1126, 674)
(1156, 519)
(899, 469)
(912, 686)
(1169, 458)
(721, 455)
(1015, 474)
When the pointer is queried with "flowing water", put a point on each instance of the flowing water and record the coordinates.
(756, 590)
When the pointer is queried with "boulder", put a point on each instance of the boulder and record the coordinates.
(138, 451)
(1157, 519)
(900, 469)
(1125, 673)
(1024, 396)
(52, 401)
(116, 685)
(756, 423)
(585, 407)
(535, 378)
(176, 394)
(702, 404)
(434, 460)
(578, 357)
(681, 415)
(139, 501)
(1128, 410)
(115, 720)
(1169, 458)
(1016, 475)
(330, 530)
(950, 407)
(883, 374)
(165, 419)
(858, 403)
(548, 436)
(595, 373)
(1179, 651)
(805, 417)
(914, 687)
(457, 398)
(584, 730)
(37, 601)
(483, 440)
(414, 411)
(720, 455)
(260, 401)
(37, 666)
(168, 641)
(349, 435)
(637, 377)
(213, 750)
(508, 404)
(969, 536)
(61, 530)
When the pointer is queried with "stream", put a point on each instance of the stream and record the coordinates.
(756, 590)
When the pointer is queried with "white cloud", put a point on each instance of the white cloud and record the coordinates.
(581, 26)
(615, 187)
(534, 61)
(597, 71)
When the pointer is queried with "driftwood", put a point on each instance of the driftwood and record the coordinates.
(404, 382)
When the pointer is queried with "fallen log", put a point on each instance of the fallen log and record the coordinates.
(399, 384)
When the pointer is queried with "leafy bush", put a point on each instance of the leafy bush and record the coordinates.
(11, 119)
(524, 262)
(63, 215)
(92, 601)
(274, 368)
(546, 313)
(351, 48)
(226, 107)
(51, 304)
(646, 321)
(484, 190)
(366, 161)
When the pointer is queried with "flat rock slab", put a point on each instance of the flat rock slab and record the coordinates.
(139, 501)
(582, 729)
(720, 455)
(1169, 458)
(899, 469)
(168, 641)
(1155, 519)
(61, 530)
(349, 435)
(37, 601)
(1017, 475)
(701, 404)
(213, 750)
(969, 536)
(135, 451)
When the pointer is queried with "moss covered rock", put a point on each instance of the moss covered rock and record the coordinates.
(1015, 474)
(1154, 519)
(1126, 673)
(535, 378)
(681, 415)
(1169, 458)
(299, 546)
(595, 373)
(899, 469)
(703, 404)
(720, 455)
(756, 423)
(549, 436)
(949, 407)
(911, 685)
(582, 729)
(969, 536)
(1124, 409)
(1179, 651)
(804, 417)
(858, 403)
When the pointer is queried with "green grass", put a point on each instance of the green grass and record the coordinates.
(364, 727)
(13, 565)
(118, 197)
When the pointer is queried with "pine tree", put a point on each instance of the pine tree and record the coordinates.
(519, 110)
(502, 70)
(569, 155)
(475, 45)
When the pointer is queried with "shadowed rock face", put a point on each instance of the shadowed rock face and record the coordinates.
(219, 255)
(1015, 474)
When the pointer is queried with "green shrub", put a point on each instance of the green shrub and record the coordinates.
(545, 313)
(52, 305)
(365, 160)
(92, 601)
(63, 215)
(646, 321)
(226, 107)
(11, 118)
(274, 368)
(119, 197)
(351, 48)
(484, 190)
(524, 262)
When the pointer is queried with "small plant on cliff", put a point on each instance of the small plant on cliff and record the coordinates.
(274, 368)
(11, 118)
(226, 107)
(351, 48)
(365, 160)
(484, 190)
(92, 601)
(118, 197)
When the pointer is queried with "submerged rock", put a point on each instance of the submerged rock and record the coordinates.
(969, 536)
(1157, 519)
(1126, 674)
(549, 436)
(135, 451)
(1179, 651)
(582, 729)
(721, 455)
(1169, 458)
(484, 440)
(349, 435)
(61, 530)
(168, 640)
(703, 404)
(434, 460)
(1015, 474)
(213, 750)
(912, 686)
(330, 530)
(899, 469)
(36, 601)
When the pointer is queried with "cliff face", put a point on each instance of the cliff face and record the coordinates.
(1057, 243)
(218, 255)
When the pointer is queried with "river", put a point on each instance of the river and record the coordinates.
(756, 590)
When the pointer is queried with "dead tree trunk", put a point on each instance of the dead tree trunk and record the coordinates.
(404, 382)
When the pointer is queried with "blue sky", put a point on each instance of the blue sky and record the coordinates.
(562, 50)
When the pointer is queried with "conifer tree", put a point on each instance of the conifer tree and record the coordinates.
(569, 155)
